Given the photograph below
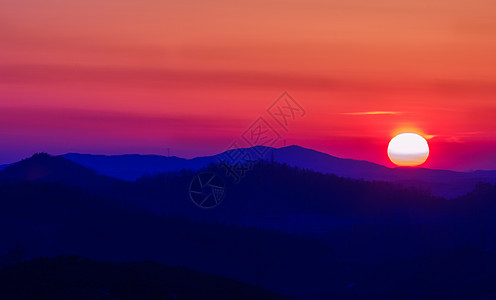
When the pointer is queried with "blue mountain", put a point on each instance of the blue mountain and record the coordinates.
(440, 182)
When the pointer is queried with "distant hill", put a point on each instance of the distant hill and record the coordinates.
(73, 277)
(132, 166)
(100, 170)
(43, 167)
(440, 182)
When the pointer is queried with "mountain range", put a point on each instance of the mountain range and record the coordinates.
(130, 167)
(440, 182)
(289, 230)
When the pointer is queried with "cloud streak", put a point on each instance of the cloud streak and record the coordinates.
(368, 113)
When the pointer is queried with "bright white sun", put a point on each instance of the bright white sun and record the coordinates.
(408, 149)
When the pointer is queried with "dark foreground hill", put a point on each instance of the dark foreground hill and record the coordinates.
(49, 219)
(73, 277)
(465, 273)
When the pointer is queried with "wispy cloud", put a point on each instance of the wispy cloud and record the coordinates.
(366, 113)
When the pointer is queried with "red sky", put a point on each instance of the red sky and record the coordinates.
(142, 76)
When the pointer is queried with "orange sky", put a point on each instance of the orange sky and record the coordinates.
(141, 76)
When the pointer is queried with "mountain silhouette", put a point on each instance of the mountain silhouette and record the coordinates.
(43, 167)
(286, 229)
(132, 166)
(440, 182)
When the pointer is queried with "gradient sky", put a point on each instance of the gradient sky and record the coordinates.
(121, 76)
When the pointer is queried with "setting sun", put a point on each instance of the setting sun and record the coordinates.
(408, 149)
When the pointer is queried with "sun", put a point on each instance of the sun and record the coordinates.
(408, 149)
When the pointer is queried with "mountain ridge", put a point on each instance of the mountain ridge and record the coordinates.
(130, 167)
(445, 183)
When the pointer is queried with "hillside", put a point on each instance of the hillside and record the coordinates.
(72, 277)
